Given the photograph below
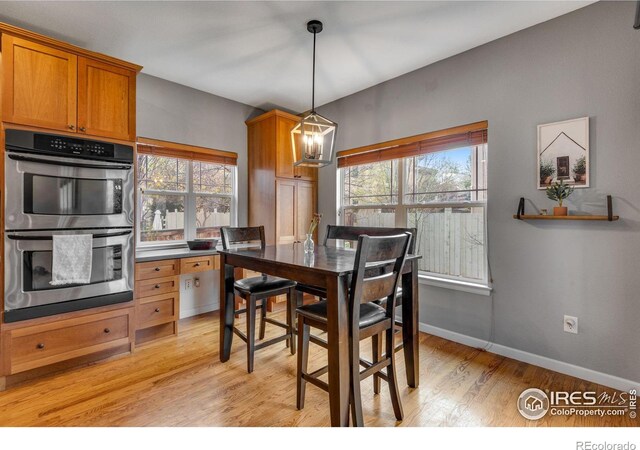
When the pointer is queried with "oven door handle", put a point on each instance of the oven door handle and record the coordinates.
(17, 237)
(68, 164)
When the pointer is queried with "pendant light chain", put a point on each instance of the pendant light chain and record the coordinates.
(313, 77)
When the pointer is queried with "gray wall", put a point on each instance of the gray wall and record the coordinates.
(586, 63)
(173, 112)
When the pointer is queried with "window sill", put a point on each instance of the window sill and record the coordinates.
(464, 286)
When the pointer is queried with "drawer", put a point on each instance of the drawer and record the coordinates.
(40, 345)
(157, 269)
(196, 264)
(157, 286)
(156, 310)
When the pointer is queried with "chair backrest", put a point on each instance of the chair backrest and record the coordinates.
(235, 235)
(352, 233)
(377, 272)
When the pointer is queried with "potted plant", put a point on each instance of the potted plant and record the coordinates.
(559, 192)
(547, 170)
(580, 169)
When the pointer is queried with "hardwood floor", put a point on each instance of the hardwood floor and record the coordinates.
(181, 382)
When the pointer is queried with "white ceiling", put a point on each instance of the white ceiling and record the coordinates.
(259, 53)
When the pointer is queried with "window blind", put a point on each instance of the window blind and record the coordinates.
(175, 150)
(463, 136)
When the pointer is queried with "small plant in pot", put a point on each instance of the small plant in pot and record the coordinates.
(580, 169)
(559, 192)
(547, 171)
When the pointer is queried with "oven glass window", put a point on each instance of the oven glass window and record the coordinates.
(106, 266)
(61, 196)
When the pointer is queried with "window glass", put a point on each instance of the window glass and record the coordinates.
(211, 214)
(211, 178)
(162, 173)
(162, 217)
(371, 184)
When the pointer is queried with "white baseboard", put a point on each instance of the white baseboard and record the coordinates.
(604, 379)
(199, 310)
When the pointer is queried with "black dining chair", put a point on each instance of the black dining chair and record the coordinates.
(260, 289)
(351, 233)
(376, 274)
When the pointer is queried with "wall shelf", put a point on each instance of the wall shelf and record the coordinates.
(520, 215)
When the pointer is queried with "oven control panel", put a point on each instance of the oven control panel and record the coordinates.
(67, 146)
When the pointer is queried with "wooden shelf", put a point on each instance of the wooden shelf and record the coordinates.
(520, 215)
(541, 217)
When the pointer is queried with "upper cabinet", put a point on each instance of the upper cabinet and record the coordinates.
(39, 85)
(106, 100)
(53, 85)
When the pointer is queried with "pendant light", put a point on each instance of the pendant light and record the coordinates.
(313, 138)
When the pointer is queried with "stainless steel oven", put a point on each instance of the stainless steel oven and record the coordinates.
(28, 259)
(58, 182)
(60, 185)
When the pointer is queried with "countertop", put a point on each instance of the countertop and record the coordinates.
(183, 252)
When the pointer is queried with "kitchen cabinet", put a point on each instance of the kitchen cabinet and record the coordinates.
(39, 85)
(282, 197)
(64, 88)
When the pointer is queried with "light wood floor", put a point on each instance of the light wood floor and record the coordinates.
(181, 382)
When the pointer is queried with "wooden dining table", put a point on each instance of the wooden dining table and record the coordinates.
(329, 268)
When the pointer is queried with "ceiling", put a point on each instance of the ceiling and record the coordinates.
(259, 53)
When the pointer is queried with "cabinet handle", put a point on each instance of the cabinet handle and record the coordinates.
(157, 309)
(107, 330)
(196, 265)
(157, 269)
(83, 129)
(40, 346)
(71, 127)
(157, 286)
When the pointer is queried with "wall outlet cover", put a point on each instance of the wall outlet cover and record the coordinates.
(571, 324)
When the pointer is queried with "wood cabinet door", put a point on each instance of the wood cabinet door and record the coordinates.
(285, 211)
(106, 100)
(284, 151)
(306, 205)
(39, 85)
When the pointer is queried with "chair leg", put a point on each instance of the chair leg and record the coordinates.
(376, 350)
(263, 317)
(303, 360)
(291, 319)
(251, 332)
(392, 376)
(356, 397)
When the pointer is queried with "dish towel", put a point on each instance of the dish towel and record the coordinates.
(72, 256)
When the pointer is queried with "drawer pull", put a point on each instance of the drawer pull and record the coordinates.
(107, 330)
(157, 269)
(40, 346)
(157, 286)
(196, 265)
(83, 129)
(157, 309)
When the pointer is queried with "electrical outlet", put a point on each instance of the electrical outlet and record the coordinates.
(188, 283)
(571, 324)
(196, 282)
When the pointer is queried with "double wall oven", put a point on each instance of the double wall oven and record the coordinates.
(58, 185)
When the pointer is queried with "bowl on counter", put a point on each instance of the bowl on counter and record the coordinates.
(202, 244)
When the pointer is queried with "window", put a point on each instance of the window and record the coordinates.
(441, 190)
(183, 199)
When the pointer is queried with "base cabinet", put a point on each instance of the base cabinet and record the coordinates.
(33, 346)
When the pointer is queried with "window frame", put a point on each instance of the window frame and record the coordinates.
(190, 225)
(401, 208)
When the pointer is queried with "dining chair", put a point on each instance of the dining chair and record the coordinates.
(351, 233)
(260, 289)
(376, 274)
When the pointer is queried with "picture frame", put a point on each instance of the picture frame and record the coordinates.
(563, 153)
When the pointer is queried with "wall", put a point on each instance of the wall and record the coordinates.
(173, 112)
(586, 63)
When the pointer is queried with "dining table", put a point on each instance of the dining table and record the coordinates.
(329, 268)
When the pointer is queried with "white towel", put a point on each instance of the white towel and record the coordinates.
(72, 256)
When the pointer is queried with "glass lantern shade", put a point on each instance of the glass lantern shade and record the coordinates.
(313, 140)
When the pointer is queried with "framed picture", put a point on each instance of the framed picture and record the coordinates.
(563, 153)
